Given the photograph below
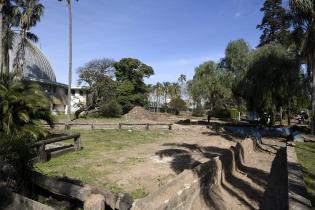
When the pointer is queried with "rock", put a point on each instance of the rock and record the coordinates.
(95, 202)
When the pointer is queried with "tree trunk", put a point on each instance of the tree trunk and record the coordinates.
(1, 36)
(313, 98)
(70, 61)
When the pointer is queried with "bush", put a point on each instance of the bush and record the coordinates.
(225, 113)
(198, 111)
(110, 109)
(177, 105)
(15, 163)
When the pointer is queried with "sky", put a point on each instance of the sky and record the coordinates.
(172, 36)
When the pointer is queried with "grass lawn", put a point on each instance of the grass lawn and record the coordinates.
(306, 155)
(94, 162)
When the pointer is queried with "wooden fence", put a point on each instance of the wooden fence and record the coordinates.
(147, 126)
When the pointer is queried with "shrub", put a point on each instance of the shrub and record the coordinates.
(177, 105)
(225, 113)
(198, 111)
(110, 109)
(15, 163)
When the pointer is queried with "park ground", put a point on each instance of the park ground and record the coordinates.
(139, 162)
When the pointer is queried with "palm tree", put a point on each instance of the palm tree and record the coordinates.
(159, 92)
(174, 90)
(30, 14)
(303, 12)
(22, 107)
(10, 17)
(1, 32)
(68, 2)
(182, 81)
(166, 87)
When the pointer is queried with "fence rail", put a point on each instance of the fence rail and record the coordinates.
(93, 126)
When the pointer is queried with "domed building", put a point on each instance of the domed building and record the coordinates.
(38, 69)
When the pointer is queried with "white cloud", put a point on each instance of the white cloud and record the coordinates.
(238, 14)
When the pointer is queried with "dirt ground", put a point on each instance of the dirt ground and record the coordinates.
(156, 164)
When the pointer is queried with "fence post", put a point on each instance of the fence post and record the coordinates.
(43, 157)
(147, 126)
(170, 126)
(92, 126)
(119, 125)
(77, 143)
(67, 126)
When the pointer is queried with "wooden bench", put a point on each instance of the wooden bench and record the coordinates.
(43, 153)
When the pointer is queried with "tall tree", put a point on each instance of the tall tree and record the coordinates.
(182, 82)
(275, 23)
(303, 12)
(166, 87)
(68, 2)
(272, 81)
(30, 12)
(211, 85)
(1, 35)
(98, 75)
(132, 90)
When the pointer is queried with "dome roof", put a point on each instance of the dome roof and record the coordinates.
(37, 66)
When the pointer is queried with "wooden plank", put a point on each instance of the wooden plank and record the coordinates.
(56, 139)
(62, 188)
(17, 201)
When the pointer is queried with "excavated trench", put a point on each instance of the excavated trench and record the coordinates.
(227, 180)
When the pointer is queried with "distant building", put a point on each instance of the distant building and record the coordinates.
(38, 69)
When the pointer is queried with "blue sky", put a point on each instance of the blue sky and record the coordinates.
(173, 36)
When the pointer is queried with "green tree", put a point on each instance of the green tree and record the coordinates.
(158, 89)
(272, 81)
(10, 13)
(237, 57)
(182, 82)
(166, 88)
(275, 24)
(22, 107)
(174, 90)
(2, 2)
(210, 84)
(177, 105)
(30, 12)
(132, 90)
(98, 75)
(236, 61)
(303, 13)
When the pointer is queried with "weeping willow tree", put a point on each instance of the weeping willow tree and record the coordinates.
(210, 85)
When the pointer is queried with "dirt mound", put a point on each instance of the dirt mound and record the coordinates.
(139, 113)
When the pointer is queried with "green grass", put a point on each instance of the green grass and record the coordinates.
(306, 155)
(91, 165)
(139, 193)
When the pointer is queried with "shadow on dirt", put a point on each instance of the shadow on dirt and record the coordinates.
(182, 158)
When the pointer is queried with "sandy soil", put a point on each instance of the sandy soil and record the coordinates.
(154, 165)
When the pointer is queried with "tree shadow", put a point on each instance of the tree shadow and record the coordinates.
(182, 159)
(6, 198)
(276, 193)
